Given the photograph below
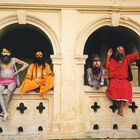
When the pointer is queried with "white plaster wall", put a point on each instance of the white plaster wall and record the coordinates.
(51, 18)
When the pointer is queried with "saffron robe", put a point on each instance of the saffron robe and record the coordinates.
(119, 87)
(38, 77)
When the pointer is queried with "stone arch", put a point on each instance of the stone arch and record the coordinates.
(100, 22)
(11, 19)
(130, 23)
(87, 31)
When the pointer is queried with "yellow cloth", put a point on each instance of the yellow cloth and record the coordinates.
(38, 77)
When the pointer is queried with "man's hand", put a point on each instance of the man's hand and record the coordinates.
(101, 83)
(110, 52)
(53, 74)
(15, 73)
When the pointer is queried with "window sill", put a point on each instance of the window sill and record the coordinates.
(89, 89)
(17, 92)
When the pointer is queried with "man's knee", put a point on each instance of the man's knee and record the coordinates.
(1, 88)
(11, 90)
(12, 87)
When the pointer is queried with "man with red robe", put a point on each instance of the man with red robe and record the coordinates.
(119, 88)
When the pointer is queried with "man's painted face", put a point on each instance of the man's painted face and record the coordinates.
(96, 63)
(120, 50)
(120, 53)
(39, 58)
(5, 56)
(39, 54)
(5, 52)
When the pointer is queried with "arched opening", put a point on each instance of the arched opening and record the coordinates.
(24, 41)
(109, 37)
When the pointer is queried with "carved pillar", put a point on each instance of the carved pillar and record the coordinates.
(56, 60)
(80, 61)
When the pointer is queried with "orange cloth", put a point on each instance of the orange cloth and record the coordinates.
(38, 77)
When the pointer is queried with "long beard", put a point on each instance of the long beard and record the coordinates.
(119, 57)
(39, 61)
(5, 59)
(96, 71)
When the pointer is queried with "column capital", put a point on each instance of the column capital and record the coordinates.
(56, 59)
(80, 59)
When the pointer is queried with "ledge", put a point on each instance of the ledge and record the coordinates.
(17, 92)
(88, 89)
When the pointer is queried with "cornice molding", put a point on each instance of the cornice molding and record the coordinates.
(57, 6)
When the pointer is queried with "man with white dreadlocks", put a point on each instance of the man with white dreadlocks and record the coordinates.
(95, 74)
(8, 81)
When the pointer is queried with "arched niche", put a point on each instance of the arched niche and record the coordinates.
(109, 37)
(24, 40)
(40, 27)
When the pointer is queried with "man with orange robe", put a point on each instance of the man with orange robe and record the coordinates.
(39, 76)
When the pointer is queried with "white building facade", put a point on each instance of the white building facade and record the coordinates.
(70, 28)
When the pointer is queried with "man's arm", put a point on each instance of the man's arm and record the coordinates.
(48, 70)
(110, 52)
(30, 70)
(24, 65)
(88, 76)
(102, 76)
(132, 58)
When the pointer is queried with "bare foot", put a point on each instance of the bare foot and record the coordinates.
(37, 90)
(1, 114)
(5, 116)
(120, 113)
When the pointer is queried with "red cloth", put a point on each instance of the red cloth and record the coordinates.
(7, 81)
(119, 87)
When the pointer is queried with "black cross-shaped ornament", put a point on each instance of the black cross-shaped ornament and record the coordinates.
(133, 107)
(113, 107)
(40, 107)
(95, 107)
(21, 108)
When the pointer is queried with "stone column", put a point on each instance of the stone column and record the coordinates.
(56, 60)
(80, 61)
(69, 110)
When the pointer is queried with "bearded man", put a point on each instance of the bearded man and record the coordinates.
(39, 76)
(119, 88)
(7, 81)
(95, 74)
